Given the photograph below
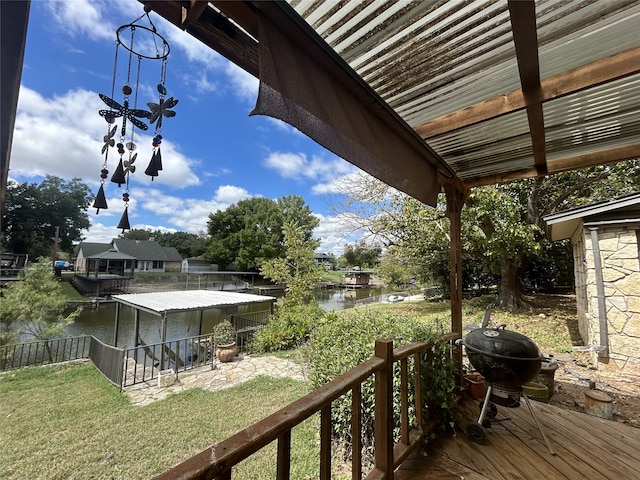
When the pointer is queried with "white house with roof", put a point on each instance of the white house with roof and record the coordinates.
(148, 255)
(606, 254)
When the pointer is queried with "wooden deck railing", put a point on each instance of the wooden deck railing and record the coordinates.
(218, 461)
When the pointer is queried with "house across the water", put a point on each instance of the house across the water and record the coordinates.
(146, 256)
(108, 268)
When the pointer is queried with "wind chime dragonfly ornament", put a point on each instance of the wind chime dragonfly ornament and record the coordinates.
(127, 111)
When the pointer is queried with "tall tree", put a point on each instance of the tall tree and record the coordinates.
(250, 231)
(34, 212)
(188, 244)
(502, 230)
(362, 254)
(36, 306)
(297, 269)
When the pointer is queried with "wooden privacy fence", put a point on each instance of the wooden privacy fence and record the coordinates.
(218, 461)
(43, 352)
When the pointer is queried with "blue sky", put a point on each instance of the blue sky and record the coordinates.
(214, 154)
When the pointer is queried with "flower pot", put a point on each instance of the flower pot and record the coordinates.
(226, 353)
(536, 391)
(474, 385)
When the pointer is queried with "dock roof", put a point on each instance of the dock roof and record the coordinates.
(159, 303)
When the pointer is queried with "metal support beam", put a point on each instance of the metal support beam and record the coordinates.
(602, 303)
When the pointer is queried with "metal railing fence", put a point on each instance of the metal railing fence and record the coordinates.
(144, 363)
(44, 352)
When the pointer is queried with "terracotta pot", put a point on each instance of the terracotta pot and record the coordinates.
(474, 385)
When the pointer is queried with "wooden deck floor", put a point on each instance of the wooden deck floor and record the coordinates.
(586, 447)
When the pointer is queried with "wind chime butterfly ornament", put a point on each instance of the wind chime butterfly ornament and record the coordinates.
(152, 47)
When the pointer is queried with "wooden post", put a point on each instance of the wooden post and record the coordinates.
(283, 468)
(456, 193)
(356, 432)
(325, 443)
(383, 416)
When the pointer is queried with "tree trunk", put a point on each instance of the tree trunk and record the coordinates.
(510, 291)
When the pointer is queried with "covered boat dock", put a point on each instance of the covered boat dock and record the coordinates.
(162, 304)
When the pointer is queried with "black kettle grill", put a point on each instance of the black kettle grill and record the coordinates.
(506, 360)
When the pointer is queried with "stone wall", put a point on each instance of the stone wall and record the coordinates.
(621, 278)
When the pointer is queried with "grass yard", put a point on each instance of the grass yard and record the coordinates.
(67, 422)
(551, 322)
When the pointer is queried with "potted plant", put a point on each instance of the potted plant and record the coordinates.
(224, 337)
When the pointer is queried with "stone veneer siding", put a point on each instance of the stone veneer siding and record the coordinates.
(619, 253)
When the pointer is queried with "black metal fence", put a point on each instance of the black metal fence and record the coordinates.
(43, 352)
(246, 325)
(145, 363)
(108, 359)
(247, 321)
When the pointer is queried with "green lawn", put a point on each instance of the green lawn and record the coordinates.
(69, 292)
(67, 422)
(551, 322)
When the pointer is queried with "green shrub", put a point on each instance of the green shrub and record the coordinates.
(343, 341)
(289, 327)
(224, 333)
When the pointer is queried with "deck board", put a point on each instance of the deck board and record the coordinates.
(585, 447)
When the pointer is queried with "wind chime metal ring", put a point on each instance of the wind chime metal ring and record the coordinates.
(154, 35)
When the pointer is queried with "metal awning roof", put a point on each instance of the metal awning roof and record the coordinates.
(499, 90)
(160, 303)
(620, 211)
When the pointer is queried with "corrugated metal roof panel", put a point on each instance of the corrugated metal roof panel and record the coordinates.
(427, 59)
(181, 301)
(450, 69)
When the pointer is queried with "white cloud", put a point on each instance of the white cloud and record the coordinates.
(335, 185)
(334, 234)
(244, 85)
(188, 214)
(99, 233)
(298, 166)
(62, 136)
(229, 194)
(82, 18)
(289, 165)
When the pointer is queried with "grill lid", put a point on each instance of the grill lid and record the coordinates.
(501, 343)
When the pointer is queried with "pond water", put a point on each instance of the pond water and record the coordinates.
(100, 321)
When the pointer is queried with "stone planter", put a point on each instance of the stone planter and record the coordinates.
(226, 353)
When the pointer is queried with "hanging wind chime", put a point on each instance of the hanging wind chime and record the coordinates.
(152, 47)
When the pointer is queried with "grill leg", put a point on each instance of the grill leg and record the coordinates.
(485, 405)
(533, 414)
